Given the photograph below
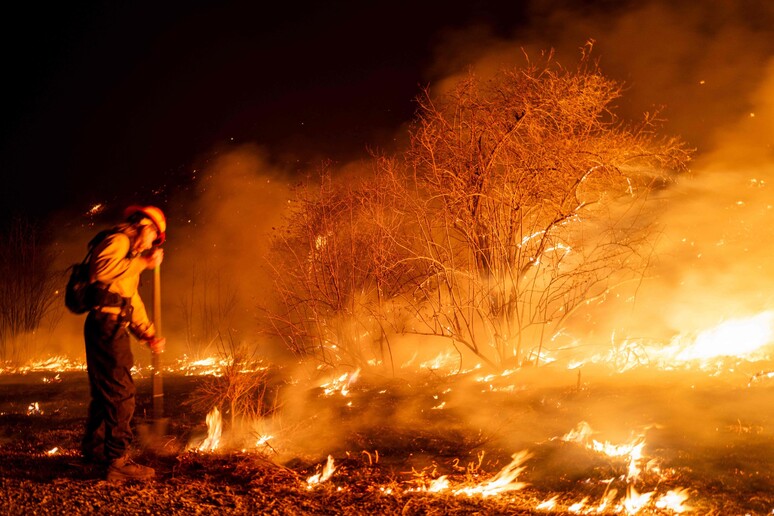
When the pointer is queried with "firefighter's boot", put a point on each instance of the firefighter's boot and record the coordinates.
(125, 468)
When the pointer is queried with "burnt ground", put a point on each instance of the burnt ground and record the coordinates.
(712, 437)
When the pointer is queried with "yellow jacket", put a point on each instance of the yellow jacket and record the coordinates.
(116, 265)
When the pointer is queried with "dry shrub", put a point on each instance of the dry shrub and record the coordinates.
(244, 390)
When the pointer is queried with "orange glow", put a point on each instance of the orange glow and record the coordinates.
(214, 429)
(324, 475)
(341, 384)
(673, 501)
(635, 501)
(737, 337)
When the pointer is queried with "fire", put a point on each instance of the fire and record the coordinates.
(578, 506)
(439, 484)
(53, 451)
(214, 429)
(673, 501)
(503, 481)
(445, 360)
(547, 505)
(737, 337)
(57, 364)
(631, 451)
(210, 366)
(263, 439)
(341, 384)
(446, 363)
(607, 500)
(324, 475)
(635, 501)
(745, 338)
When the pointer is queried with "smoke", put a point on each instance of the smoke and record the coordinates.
(710, 66)
(215, 270)
(708, 69)
(718, 231)
(698, 61)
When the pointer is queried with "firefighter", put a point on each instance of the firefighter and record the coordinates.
(117, 310)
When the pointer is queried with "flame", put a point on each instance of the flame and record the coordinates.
(737, 337)
(341, 384)
(744, 338)
(54, 363)
(324, 475)
(263, 439)
(578, 506)
(34, 409)
(673, 501)
(631, 451)
(214, 429)
(439, 484)
(635, 501)
(579, 434)
(547, 505)
(446, 360)
(53, 451)
(608, 499)
(503, 481)
(209, 366)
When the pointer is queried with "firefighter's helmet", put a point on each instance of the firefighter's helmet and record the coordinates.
(135, 213)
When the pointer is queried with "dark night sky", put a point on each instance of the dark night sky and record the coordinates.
(110, 100)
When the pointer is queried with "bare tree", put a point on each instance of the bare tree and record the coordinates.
(335, 265)
(521, 198)
(28, 284)
(529, 202)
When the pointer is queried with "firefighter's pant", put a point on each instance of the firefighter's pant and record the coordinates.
(109, 361)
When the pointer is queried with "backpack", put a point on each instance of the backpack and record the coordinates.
(79, 296)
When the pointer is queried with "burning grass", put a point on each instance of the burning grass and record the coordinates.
(646, 442)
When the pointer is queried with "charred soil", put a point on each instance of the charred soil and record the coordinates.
(391, 439)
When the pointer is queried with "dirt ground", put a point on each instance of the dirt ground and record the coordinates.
(390, 439)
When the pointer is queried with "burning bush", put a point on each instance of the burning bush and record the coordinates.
(243, 388)
(521, 199)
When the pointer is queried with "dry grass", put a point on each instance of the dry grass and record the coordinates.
(381, 463)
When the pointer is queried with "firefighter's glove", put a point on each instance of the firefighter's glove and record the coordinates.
(154, 259)
(156, 344)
